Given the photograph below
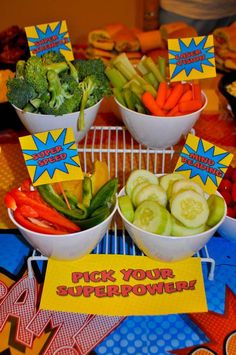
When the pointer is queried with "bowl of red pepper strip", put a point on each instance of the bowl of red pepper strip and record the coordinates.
(49, 231)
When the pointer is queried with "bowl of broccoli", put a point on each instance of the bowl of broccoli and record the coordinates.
(50, 92)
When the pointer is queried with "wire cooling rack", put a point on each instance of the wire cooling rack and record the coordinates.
(123, 154)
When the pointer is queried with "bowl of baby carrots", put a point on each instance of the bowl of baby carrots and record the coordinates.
(166, 116)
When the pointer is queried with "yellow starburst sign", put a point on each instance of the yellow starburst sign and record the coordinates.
(203, 162)
(49, 37)
(191, 58)
(51, 156)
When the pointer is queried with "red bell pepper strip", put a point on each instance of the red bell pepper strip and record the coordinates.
(35, 195)
(25, 185)
(9, 201)
(28, 211)
(24, 222)
(44, 211)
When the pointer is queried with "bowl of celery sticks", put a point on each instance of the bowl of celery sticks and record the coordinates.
(156, 112)
(50, 92)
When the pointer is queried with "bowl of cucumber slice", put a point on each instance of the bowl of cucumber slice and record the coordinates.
(169, 217)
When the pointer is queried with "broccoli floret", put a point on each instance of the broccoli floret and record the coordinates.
(52, 57)
(56, 89)
(65, 95)
(89, 67)
(45, 109)
(34, 104)
(68, 83)
(20, 69)
(72, 104)
(98, 93)
(30, 108)
(92, 100)
(57, 67)
(35, 74)
(69, 105)
(94, 90)
(89, 87)
(20, 92)
(73, 71)
(101, 89)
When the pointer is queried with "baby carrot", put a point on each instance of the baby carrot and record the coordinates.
(187, 87)
(196, 91)
(161, 94)
(172, 85)
(173, 99)
(150, 103)
(177, 113)
(190, 106)
(173, 111)
(187, 96)
(169, 90)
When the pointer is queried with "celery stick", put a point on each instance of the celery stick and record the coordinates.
(145, 85)
(124, 70)
(118, 95)
(122, 63)
(129, 99)
(135, 87)
(116, 78)
(140, 108)
(151, 79)
(139, 105)
(162, 66)
(149, 63)
(141, 67)
(127, 85)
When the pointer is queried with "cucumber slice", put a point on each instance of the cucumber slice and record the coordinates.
(179, 230)
(136, 190)
(126, 207)
(216, 206)
(168, 179)
(186, 185)
(137, 177)
(153, 217)
(190, 208)
(151, 192)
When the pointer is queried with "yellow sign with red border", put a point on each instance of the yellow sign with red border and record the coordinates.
(120, 285)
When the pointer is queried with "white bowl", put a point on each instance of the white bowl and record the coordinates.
(67, 246)
(37, 122)
(227, 229)
(158, 132)
(167, 248)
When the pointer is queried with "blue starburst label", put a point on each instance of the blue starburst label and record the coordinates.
(203, 162)
(47, 37)
(51, 156)
(191, 58)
